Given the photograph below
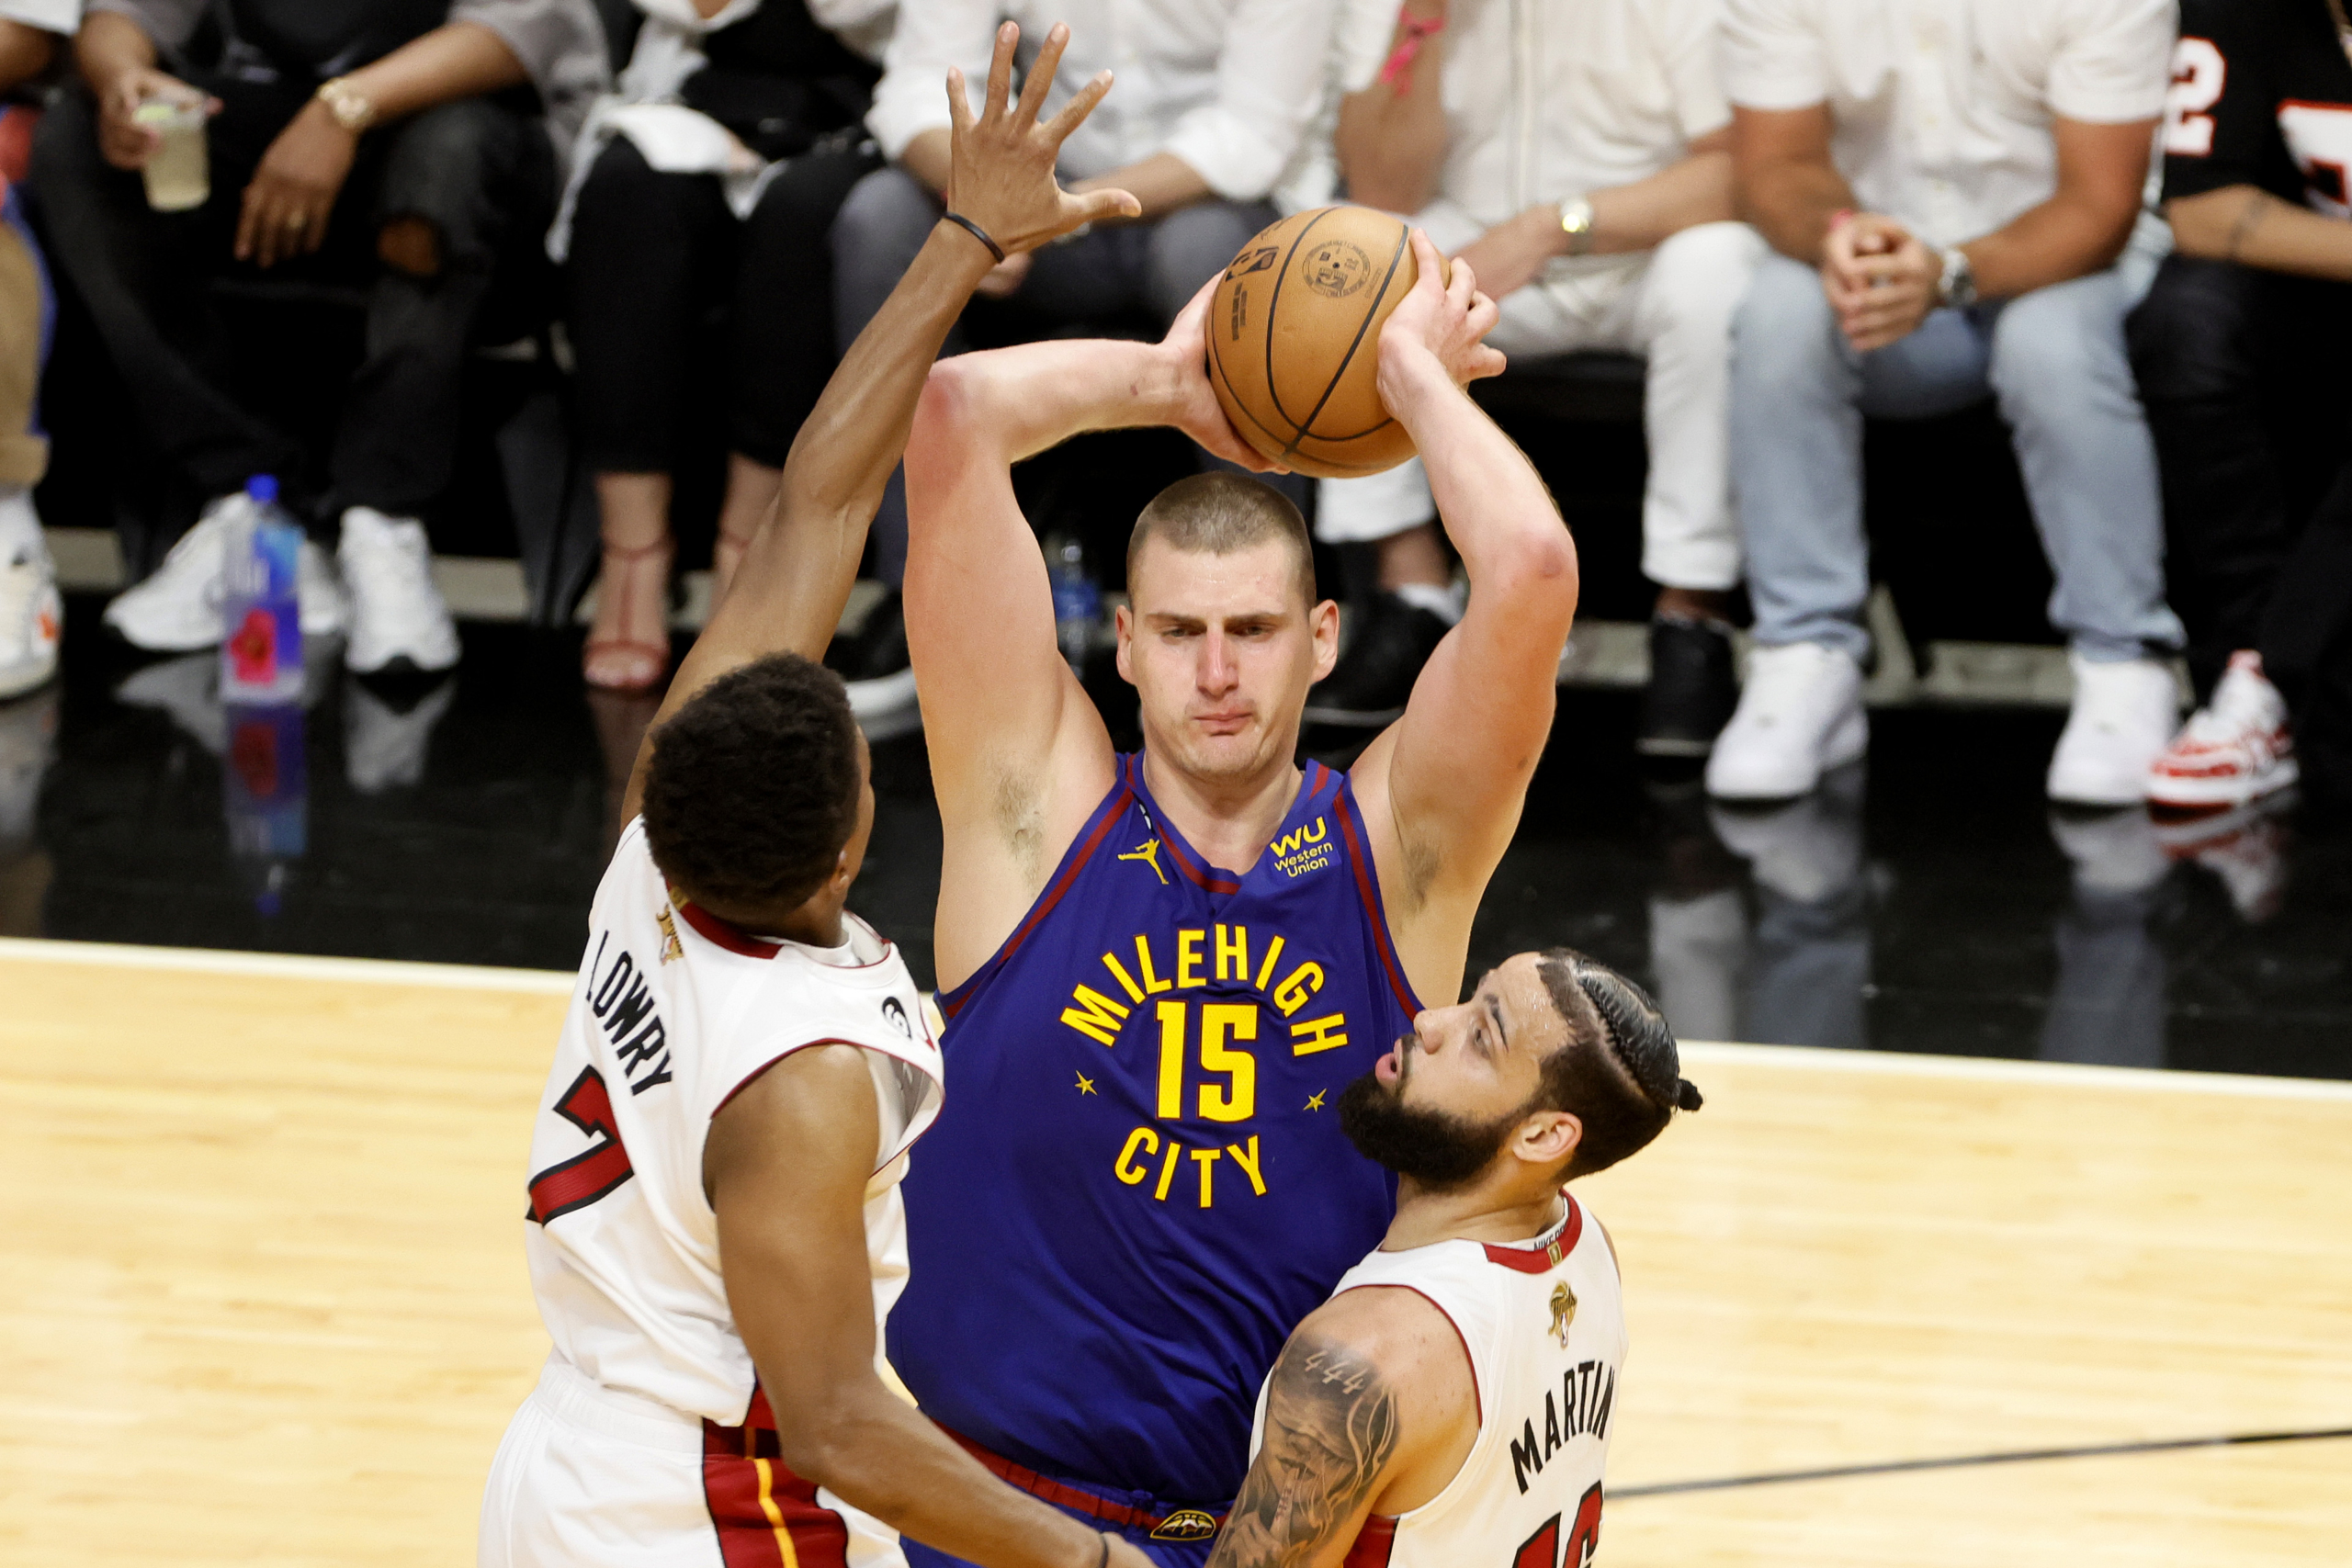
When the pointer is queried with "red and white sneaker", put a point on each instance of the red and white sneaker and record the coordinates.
(2233, 750)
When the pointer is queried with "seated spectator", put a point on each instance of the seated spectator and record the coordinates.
(29, 612)
(1213, 96)
(2252, 313)
(1995, 150)
(710, 180)
(397, 144)
(1577, 156)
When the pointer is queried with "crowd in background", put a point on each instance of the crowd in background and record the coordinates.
(1798, 212)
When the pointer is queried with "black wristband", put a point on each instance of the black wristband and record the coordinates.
(1103, 1561)
(997, 251)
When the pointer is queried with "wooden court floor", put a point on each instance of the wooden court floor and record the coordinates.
(262, 1287)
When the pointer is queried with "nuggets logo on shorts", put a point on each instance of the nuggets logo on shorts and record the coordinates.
(1186, 1524)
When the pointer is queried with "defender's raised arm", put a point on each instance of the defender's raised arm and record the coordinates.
(797, 574)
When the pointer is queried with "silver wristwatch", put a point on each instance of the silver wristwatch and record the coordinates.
(1576, 222)
(1957, 286)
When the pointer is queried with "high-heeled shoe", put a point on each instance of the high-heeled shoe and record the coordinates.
(646, 664)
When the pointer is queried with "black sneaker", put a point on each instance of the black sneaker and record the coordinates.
(1692, 691)
(872, 661)
(1376, 675)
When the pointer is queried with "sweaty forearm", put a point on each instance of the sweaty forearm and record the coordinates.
(2248, 225)
(461, 60)
(881, 1455)
(1639, 216)
(1790, 204)
(2050, 243)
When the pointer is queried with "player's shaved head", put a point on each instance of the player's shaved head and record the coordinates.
(753, 787)
(1220, 514)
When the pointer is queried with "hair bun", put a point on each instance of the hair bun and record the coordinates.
(1687, 1096)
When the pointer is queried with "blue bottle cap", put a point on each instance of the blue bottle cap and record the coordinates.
(262, 487)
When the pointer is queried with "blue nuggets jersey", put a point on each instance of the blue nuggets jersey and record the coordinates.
(1139, 1185)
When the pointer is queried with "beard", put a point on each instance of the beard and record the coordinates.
(1439, 1151)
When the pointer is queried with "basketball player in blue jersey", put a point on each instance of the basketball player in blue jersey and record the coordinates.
(1160, 969)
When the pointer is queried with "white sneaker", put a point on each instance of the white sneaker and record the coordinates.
(177, 608)
(325, 610)
(397, 614)
(2233, 750)
(32, 614)
(2124, 711)
(1800, 714)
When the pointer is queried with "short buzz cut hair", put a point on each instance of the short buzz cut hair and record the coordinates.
(1620, 1072)
(753, 787)
(1218, 514)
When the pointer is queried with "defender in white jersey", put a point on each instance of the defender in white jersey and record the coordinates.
(1449, 1406)
(715, 1230)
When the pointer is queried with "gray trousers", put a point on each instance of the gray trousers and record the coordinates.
(2055, 360)
(1155, 267)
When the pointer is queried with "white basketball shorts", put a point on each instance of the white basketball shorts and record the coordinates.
(589, 1477)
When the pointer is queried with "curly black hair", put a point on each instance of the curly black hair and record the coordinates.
(753, 787)
(1620, 1073)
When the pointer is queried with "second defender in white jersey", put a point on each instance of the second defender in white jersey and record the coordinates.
(1449, 1406)
(714, 1230)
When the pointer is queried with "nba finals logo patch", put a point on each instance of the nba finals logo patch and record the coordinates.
(670, 948)
(1298, 852)
(1186, 1524)
(1564, 1312)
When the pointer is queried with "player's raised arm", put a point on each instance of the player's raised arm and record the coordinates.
(1443, 786)
(1018, 754)
(1372, 1407)
(797, 571)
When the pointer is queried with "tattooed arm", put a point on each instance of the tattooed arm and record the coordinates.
(1371, 1408)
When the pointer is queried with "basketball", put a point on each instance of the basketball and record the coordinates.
(1294, 337)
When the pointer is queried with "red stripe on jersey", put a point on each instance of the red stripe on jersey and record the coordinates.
(1374, 1543)
(758, 1506)
(1376, 915)
(1542, 1259)
(725, 934)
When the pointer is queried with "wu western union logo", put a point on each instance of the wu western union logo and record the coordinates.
(1148, 852)
(1298, 852)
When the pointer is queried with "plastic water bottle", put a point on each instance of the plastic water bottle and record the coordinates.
(261, 650)
(267, 798)
(1078, 603)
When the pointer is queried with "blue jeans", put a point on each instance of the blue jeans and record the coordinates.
(2055, 360)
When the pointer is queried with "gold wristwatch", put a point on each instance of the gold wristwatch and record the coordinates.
(1576, 222)
(353, 110)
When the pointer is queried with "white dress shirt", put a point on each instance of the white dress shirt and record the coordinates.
(1943, 108)
(1228, 85)
(49, 16)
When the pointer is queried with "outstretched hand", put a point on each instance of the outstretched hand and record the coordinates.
(1193, 406)
(1002, 177)
(1444, 317)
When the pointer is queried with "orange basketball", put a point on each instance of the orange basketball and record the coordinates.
(1294, 336)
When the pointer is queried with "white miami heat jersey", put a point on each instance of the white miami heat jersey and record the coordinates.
(676, 1011)
(1543, 1326)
